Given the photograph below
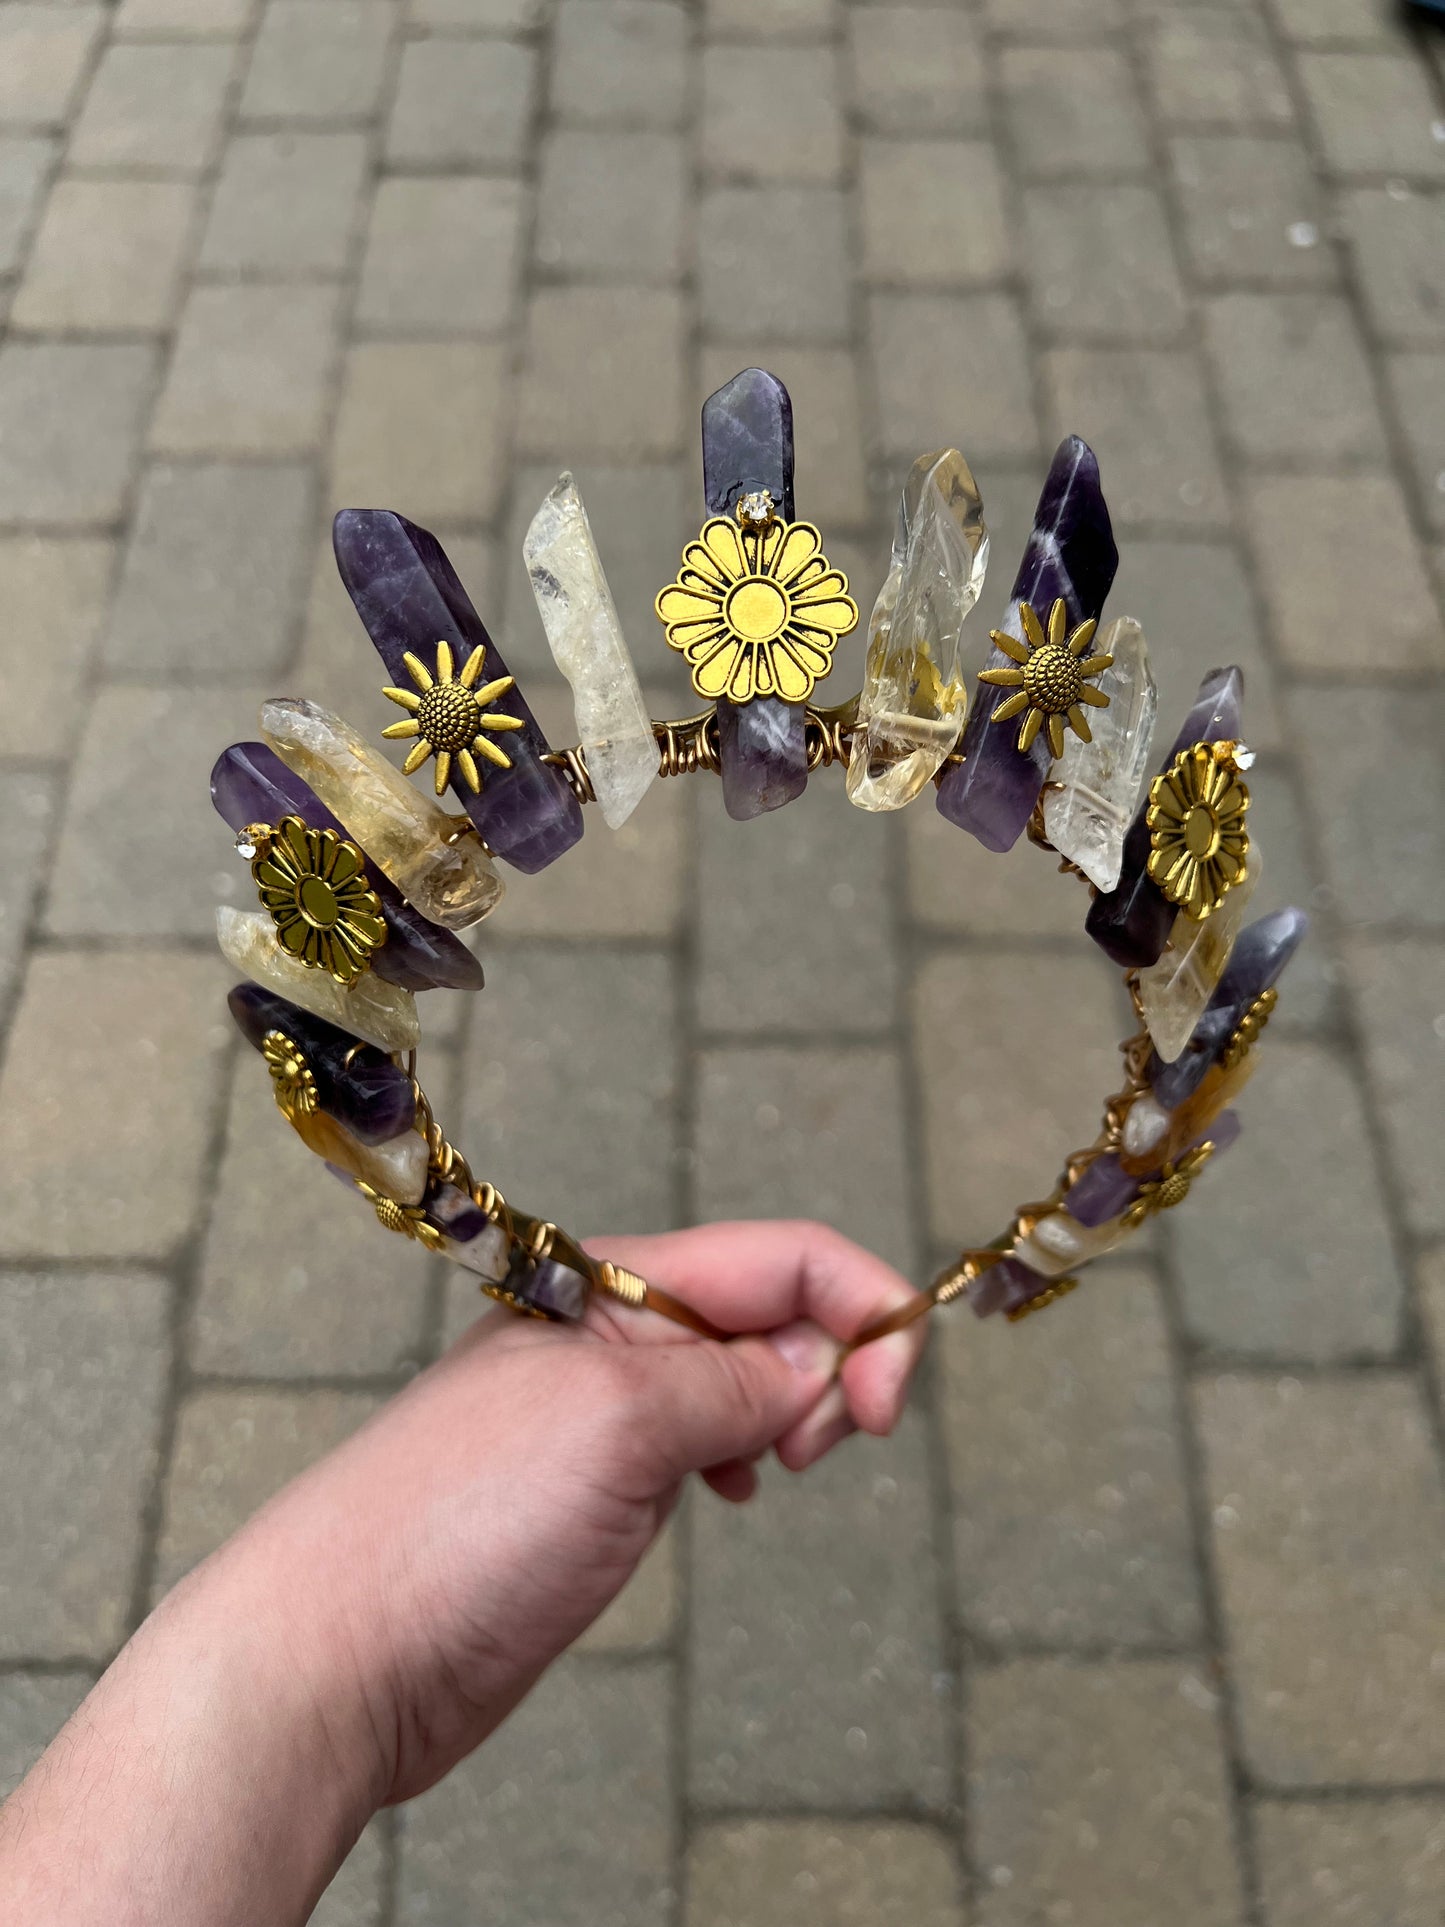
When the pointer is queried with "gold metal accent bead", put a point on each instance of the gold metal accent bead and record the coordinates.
(450, 717)
(407, 1220)
(1051, 682)
(1247, 1030)
(620, 1283)
(1199, 844)
(314, 887)
(293, 1086)
(1171, 1187)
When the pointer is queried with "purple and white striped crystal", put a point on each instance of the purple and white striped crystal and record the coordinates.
(355, 1083)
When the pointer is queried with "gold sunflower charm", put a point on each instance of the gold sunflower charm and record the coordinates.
(292, 1083)
(410, 1220)
(313, 885)
(1171, 1187)
(1198, 840)
(450, 716)
(756, 609)
(1052, 678)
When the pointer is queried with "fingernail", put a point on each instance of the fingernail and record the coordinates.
(806, 1347)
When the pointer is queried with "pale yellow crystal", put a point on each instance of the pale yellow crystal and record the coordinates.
(446, 875)
(378, 1012)
(1059, 1242)
(587, 643)
(1174, 991)
(397, 1169)
(916, 680)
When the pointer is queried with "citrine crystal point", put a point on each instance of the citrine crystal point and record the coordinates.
(410, 598)
(916, 676)
(378, 1012)
(1088, 816)
(1174, 990)
(1131, 922)
(587, 644)
(357, 1084)
(1070, 556)
(1258, 960)
(396, 1168)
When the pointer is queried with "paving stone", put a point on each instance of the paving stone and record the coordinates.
(443, 257)
(774, 261)
(141, 852)
(1372, 113)
(770, 19)
(1082, 1436)
(1051, 19)
(620, 63)
(214, 573)
(107, 257)
(603, 374)
(593, 1742)
(810, 882)
(70, 417)
(1417, 388)
(233, 1451)
(932, 213)
(1072, 112)
(1376, 787)
(1332, 1581)
(644, 1614)
(85, 1364)
(33, 1708)
(1322, 22)
(476, 16)
(356, 1897)
(297, 1277)
(1105, 1781)
(1102, 265)
(799, 1133)
(918, 70)
(319, 63)
(832, 480)
(816, 1669)
(462, 103)
(1274, 356)
(820, 1873)
(577, 1057)
(952, 368)
(1398, 988)
(183, 19)
(421, 428)
(54, 595)
(1311, 997)
(1396, 240)
(1431, 1295)
(1346, 1863)
(1251, 211)
(250, 372)
(154, 106)
(955, 884)
(993, 1132)
(1215, 68)
(45, 53)
(772, 113)
(25, 164)
(1333, 547)
(613, 207)
(27, 817)
(286, 204)
(1144, 413)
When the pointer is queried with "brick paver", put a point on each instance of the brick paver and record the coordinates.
(1139, 1617)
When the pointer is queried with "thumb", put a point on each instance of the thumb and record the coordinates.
(707, 1403)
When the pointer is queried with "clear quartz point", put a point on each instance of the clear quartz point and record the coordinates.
(1058, 1243)
(1087, 819)
(916, 680)
(1173, 993)
(374, 1010)
(586, 640)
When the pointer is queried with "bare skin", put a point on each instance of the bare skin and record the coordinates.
(388, 1609)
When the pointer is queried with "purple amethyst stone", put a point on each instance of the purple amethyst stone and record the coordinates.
(1005, 1286)
(548, 1286)
(356, 1084)
(1101, 1192)
(1260, 953)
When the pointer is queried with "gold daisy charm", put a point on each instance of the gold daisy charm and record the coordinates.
(313, 885)
(410, 1220)
(1171, 1187)
(756, 609)
(292, 1083)
(450, 715)
(1052, 677)
(1198, 840)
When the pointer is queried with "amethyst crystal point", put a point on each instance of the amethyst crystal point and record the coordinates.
(355, 1083)
(1070, 554)
(410, 598)
(1260, 954)
(250, 784)
(1100, 1192)
(747, 444)
(1131, 922)
(1005, 1286)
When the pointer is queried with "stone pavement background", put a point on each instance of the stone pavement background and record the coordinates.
(1141, 1617)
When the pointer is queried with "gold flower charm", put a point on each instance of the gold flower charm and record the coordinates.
(313, 886)
(408, 1219)
(292, 1084)
(1198, 840)
(1171, 1187)
(756, 609)
(1052, 677)
(450, 715)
